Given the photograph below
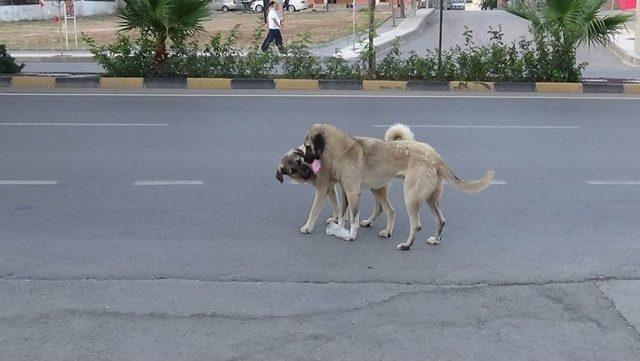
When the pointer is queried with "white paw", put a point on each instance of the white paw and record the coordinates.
(365, 223)
(306, 229)
(403, 247)
(384, 234)
(332, 220)
(433, 240)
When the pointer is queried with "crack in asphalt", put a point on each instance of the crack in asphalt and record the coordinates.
(9, 277)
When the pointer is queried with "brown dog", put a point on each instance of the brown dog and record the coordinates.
(357, 161)
(293, 165)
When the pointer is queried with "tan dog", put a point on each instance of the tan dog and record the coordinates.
(293, 165)
(358, 161)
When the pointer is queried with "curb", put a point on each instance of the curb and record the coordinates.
(168, 83)
(631, 88)
(340, 84)
(473, 86)
(93, 81)
(514, 87)
(602, 88)
(252, 84)
(428, 85)
(208, 83)
(33, 82)
(78, 82)
(296, 84)
(542, 87)
(384, 85)
(121, 83)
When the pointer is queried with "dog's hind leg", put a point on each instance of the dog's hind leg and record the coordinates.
(382, 198)
(377, 210)
(435, 208)
(413, 208)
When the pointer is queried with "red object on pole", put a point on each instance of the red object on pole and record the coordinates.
(627, 4)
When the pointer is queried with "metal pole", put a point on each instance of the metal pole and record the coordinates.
(393, 14)
(440, 41)
(353, 20)
(637, 41)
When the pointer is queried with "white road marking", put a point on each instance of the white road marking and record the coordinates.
(498, 182)
(612, 183)
(90, 124)
(332, 95)
(27, 182)
(168, 183)
(484, 126)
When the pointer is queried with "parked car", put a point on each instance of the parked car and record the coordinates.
(294, 5)
(227, 5)
(457, 5)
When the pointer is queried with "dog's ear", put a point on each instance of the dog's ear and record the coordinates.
(318, 144)
(279, 176)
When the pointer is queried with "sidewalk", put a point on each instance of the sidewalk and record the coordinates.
(387, 34)
(623, 47)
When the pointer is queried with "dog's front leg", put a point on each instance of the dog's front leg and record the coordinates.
(335, 206)
(352, 191)
(318, 200)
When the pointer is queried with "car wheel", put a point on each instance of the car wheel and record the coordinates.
(258, 8)
(225, 9)
(292, 8)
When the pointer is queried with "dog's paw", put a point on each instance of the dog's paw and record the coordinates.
(332, 220)
(384, 234)
(403, 247)
(433, 240)
(306, 229)
(365, 223)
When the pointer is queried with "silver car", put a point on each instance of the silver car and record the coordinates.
(457, 5)
(227, 5)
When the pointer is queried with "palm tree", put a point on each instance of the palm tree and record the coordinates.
(576, 22)
(163, 20)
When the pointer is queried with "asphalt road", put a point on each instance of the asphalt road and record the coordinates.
(97, 263)
(602, 63)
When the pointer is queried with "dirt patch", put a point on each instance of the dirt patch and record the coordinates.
(322, 27)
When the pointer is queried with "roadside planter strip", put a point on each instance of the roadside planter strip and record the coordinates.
(94, 81)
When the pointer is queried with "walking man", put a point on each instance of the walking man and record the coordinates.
(275, 24)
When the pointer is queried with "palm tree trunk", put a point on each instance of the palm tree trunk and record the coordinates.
(159, 56)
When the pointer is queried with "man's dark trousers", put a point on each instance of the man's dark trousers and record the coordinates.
(273, 35)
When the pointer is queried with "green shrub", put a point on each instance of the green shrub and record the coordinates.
(299, 63)
(336, 67)
(7, 63)
(257, 64)
(126, 57)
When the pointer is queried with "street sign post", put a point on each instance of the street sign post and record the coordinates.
(70, 14)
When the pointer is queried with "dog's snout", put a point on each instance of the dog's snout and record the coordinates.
(279, 176)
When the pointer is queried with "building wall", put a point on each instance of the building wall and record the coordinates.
(49, 11)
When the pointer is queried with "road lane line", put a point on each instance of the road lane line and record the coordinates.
(484, 126)
(27, 182)
(334, 95)
(498, 182)
(612, 183)
(168, 183)
(89, 124)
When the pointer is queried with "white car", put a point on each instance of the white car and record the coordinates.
(294, 5)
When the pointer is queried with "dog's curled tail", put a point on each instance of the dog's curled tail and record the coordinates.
(465, 185)
(398, 132)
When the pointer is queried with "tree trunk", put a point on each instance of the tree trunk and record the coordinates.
(159, 57)
(371, 56)
(402, 14)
